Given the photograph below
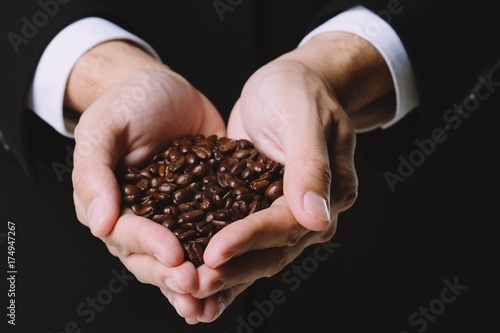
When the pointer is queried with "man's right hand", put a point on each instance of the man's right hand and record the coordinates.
(132, 106)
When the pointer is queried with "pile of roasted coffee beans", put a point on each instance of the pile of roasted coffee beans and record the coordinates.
(198, 185)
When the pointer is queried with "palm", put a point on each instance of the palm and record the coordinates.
(154, 107)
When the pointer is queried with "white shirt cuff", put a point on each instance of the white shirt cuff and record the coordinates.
(366, 24)
(46, 96)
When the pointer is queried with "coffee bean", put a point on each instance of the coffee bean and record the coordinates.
(177, 163)
(195, 253)
(206, 204)
(203, 152)
(200, 170)
(131, 199)
(185, 179)
(168, 188)
(247, 173)
(259, 167)
(236, 182)
(164, 198)
(136, 208)
(147, 211)
(224, 179)
(227, 146)
(259, 185)
(202, 240)
(170, 224)
(186, 225)
(183, 195)
(142, 184)
(130, 190)
(159, 218)
(220, 224)
(192, 159)
(238, 210)
(254, 207)
(186, 235)
(245, 144)
(171, 211)
(188, 206)
(275, 190)
(191, 217)
(203, 227)
(247, 197)
(199, 185)
(157, 181)
(238, 168)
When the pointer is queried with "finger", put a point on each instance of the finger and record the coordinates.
(250, 267)
(307, 177)
(94, 160)
(214, 306)
(135, 234)
(235, 128)
(271, 227)
(344, 189)
(182, 279)
(80, 212)
(186, 305)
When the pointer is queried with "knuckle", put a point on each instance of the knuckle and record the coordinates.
(328, 234)
(115, 248)
(79, 176)
(141, 279)
(292, 238)
(283, 257)
(316, 166)
(345, 192)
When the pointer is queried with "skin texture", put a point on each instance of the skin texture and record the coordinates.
(302, 109)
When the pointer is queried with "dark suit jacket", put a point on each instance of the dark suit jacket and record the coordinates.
(397, 249)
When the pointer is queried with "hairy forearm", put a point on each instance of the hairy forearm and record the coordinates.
(102, 66)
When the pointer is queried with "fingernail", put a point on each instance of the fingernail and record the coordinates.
(220, 308)
(172, 286)
(316, 206)
(96, 212)
(176, 307)
(215, 287)
(224, 258)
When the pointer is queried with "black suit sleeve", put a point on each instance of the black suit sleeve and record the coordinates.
(27, 27)
(449, 43)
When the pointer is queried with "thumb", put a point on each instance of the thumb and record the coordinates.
(307, 177)
(95, 186)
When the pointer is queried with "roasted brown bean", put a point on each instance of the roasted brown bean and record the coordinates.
(171, 211)
(130, 190)
(195, 253)
(199, 185)
(168, 188)
(259, 185)
(191, 217)
(227, 146)
(183, 195)
(275, 190)
(170, 224)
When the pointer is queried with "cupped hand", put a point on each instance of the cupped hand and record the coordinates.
(133, 111)
(299, 111)
(258, 246)
(127, 125)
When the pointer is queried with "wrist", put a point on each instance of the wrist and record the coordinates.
(102, 67)
(352, 69)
